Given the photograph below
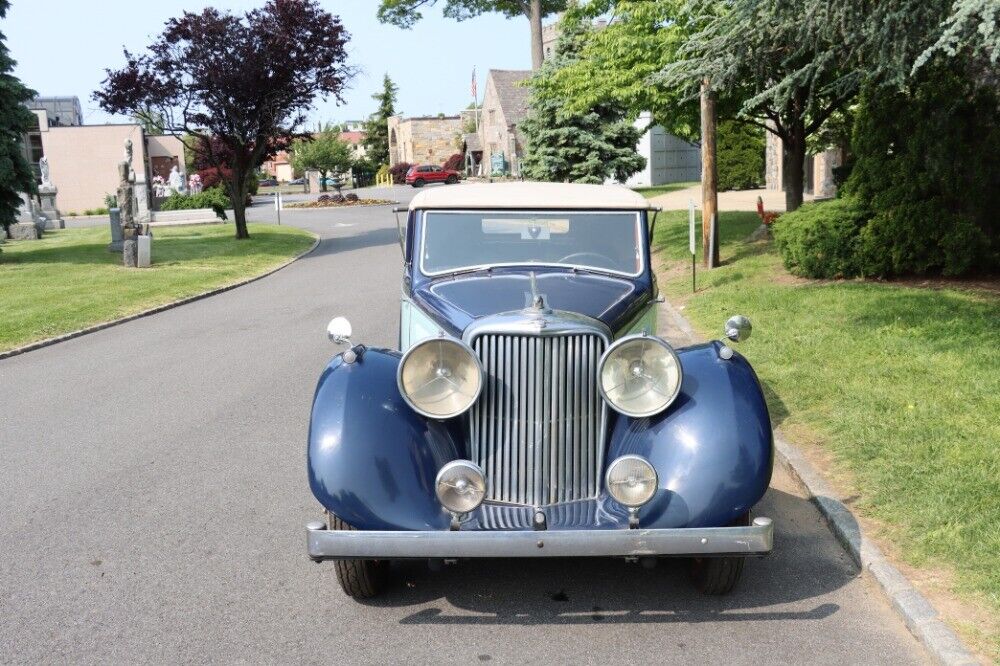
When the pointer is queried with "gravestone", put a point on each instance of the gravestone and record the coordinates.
(116, 230)
(27, 225)
(144, 250)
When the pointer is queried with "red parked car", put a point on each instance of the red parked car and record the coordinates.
(421, 174)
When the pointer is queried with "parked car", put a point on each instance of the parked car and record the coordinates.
(297, 181)
(531, 410)
(268, 182)
(421, 174)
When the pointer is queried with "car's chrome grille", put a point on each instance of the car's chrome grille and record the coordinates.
(537, 429)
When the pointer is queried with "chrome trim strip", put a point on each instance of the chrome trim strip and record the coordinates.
(756, 539)
(472, 267)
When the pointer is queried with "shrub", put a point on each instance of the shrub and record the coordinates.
(382, 172)
(926, 170)
(455, 163)
(398, 172)
(351, 196)
(740, 156)
(821, 240)
(212, 197)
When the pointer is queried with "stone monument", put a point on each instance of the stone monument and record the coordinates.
(176, 181)
(127, 209)
(29, 225)
(47, 196)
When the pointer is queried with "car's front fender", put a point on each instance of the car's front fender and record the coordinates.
(712, 448)
(372, 459)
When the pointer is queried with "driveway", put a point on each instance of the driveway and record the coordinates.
(729, 200)
(154, 495)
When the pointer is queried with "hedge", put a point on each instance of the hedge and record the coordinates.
(212, 197)
(821, 240)
(740, 156)
(398, 172)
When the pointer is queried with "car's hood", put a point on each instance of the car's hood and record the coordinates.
(457, 302)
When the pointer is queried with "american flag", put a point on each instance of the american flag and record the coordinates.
(475, 94)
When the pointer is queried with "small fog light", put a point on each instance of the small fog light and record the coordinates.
(631, 480)
(460, 486)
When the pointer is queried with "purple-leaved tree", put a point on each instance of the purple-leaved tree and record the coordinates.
(245, 81)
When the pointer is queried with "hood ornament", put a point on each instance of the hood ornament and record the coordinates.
(537, 300)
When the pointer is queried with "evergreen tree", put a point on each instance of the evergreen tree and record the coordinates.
(15, 120)
(376, 140)
(579, 146)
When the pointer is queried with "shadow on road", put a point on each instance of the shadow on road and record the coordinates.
(806, 564)
(365, 239)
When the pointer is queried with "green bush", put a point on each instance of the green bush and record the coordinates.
(212, 197)
(821, 240)
(739, 156)
(927, 172)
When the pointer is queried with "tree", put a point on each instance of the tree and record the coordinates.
(618, 62)
(324, 152)
(582, 147)
(245, 81)
(405, 13)
(376, 141)
(16, 175)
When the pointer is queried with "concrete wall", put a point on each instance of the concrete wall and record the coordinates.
(84, 161)
(428, 140)
(496, 134)
(668, 158)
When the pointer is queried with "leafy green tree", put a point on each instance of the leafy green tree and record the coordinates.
(972, 29)
(617, 63)
(15, 121)
(376, 141)
(583, 147)
(325, 152)
(405, 13)
(740, 150)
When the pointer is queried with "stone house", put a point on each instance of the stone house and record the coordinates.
(818, 169)
(423, 140)
(505, 105)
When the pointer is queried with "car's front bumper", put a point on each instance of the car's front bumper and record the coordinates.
(755, 540)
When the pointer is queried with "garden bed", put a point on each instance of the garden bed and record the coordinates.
(341, 203)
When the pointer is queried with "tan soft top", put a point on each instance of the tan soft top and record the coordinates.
(534, 196)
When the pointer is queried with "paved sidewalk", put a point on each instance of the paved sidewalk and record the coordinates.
(735, 200)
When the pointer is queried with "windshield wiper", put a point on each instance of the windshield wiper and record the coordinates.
(466, 271)
(596, 271)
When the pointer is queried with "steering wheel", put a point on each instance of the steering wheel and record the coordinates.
(603, 261)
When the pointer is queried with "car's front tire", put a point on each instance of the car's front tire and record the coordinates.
(360, 579)
(719, 575)
(451, 180)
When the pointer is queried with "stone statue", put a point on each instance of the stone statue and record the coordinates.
(176, 181)
(128, 151)
(126, 193)
(43, 166)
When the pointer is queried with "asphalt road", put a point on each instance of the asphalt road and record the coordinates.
(154, 495)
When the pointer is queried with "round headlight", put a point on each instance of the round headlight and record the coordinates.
(640, 376)
(460, 486)
(440, 377)
(631, 480)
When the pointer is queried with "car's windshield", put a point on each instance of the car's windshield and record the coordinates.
(603, 240)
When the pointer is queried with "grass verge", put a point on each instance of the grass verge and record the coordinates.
(657, 190)
(896, 389)
(68, 280)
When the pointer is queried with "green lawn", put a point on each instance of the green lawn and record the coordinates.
(68, 279)
(898, 387)
(657, 190)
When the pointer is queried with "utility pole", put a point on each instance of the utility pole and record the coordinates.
(709, 179)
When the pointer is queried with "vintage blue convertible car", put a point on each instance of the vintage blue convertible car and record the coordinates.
(531, 410)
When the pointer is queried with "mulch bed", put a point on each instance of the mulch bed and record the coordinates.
(340, 201)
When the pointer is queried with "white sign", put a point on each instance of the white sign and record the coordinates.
(691, 247)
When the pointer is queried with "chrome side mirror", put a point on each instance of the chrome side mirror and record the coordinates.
(339, 331)
(738, 328)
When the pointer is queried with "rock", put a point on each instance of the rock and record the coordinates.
(130, 253)
(24, 231)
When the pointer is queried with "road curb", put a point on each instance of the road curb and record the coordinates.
(919, 615)
(17, 351)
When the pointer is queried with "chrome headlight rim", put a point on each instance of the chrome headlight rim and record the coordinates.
(617, 344)
(441, 338)
(469, 467)
(640, 459)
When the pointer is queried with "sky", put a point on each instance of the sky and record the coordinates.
(62, 47)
